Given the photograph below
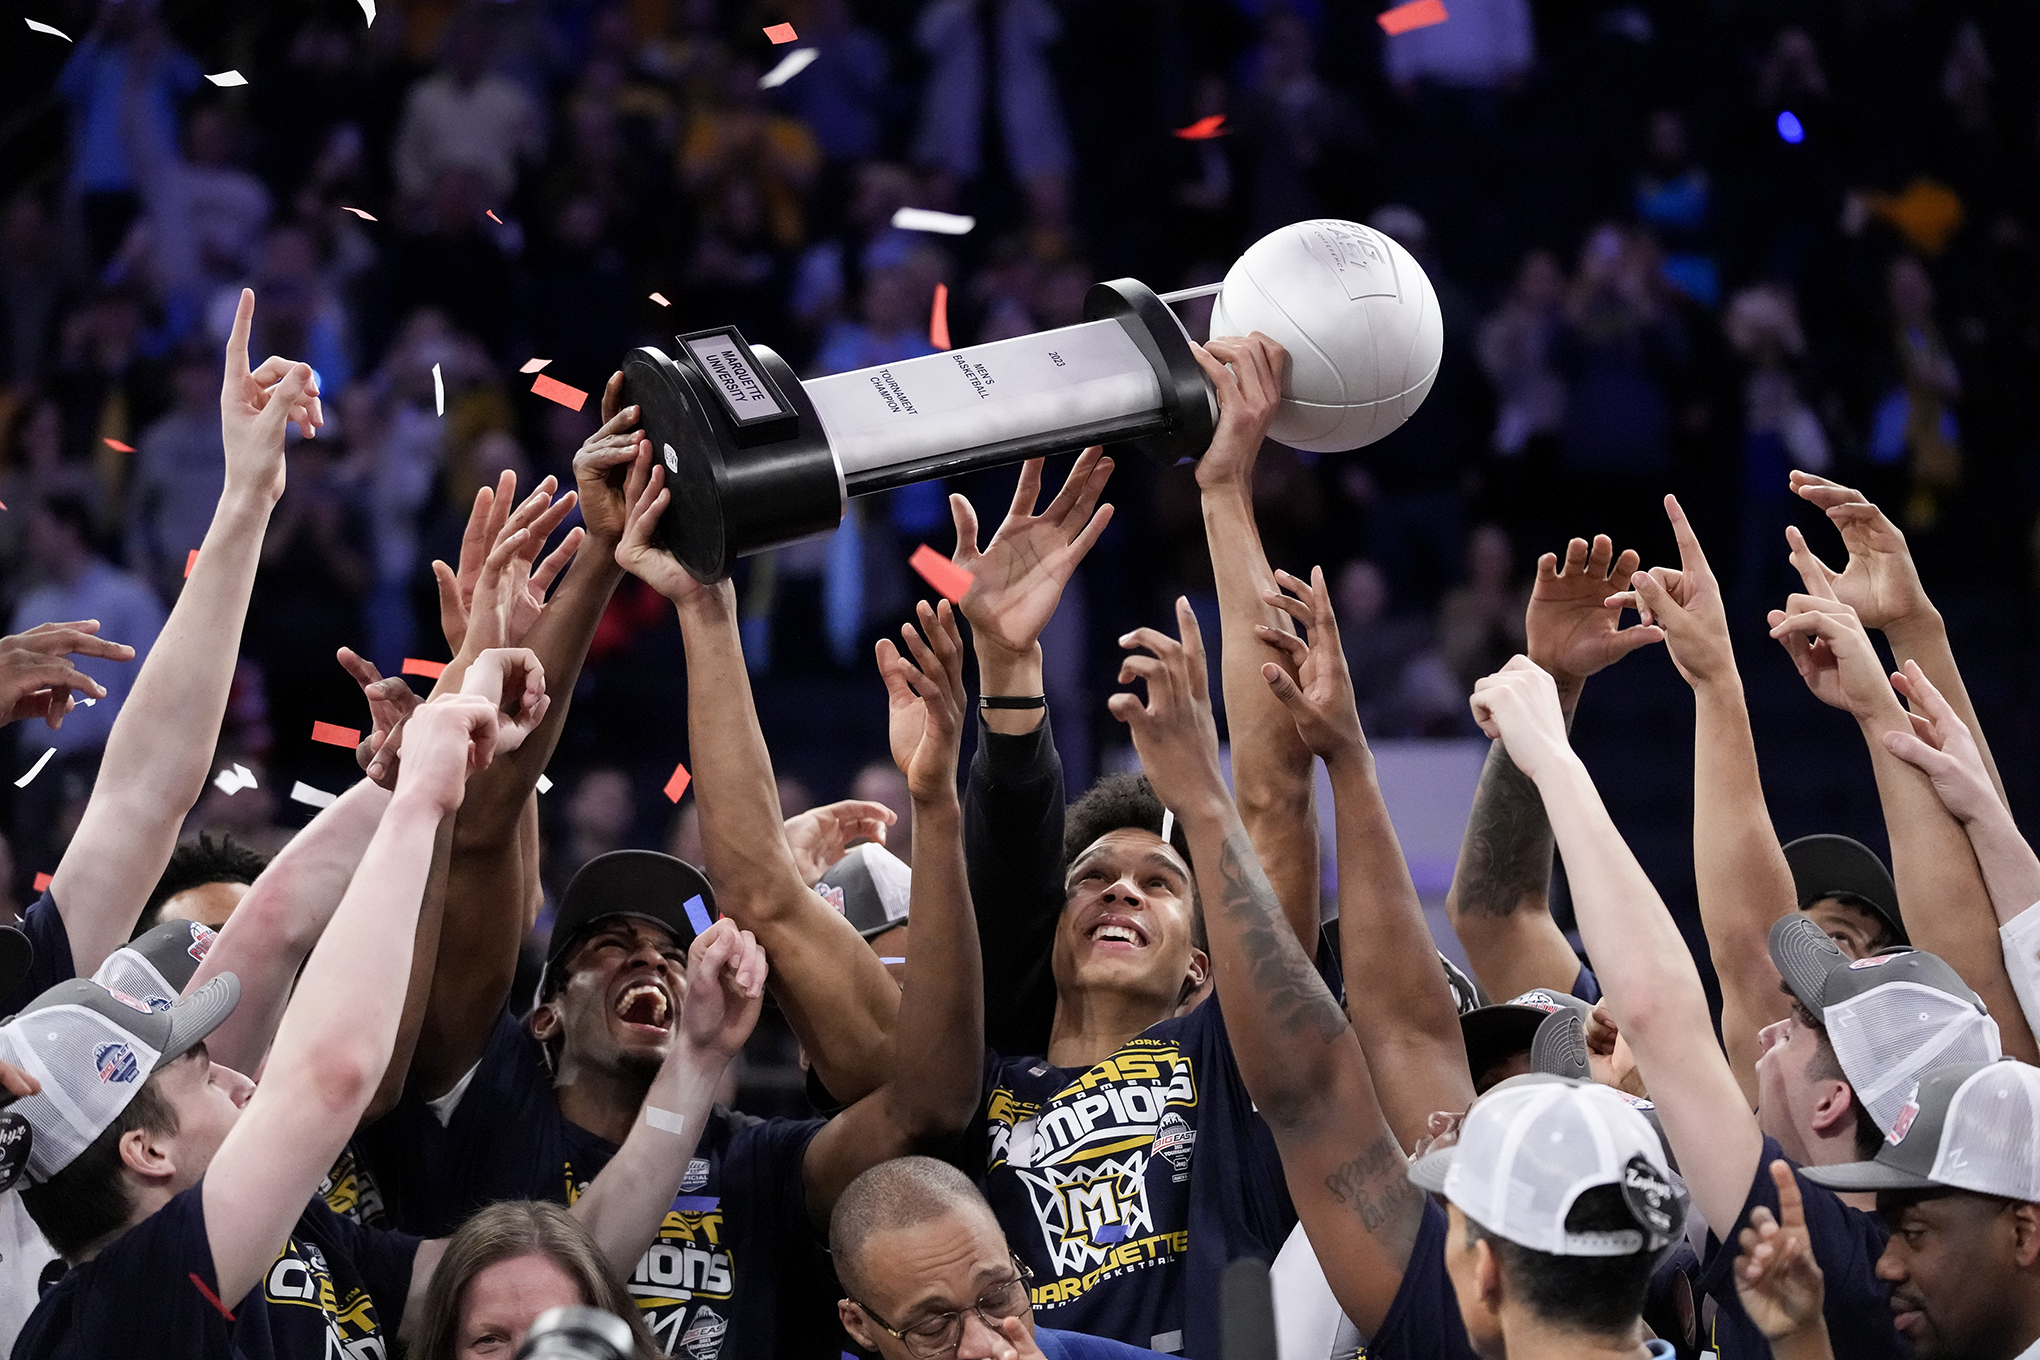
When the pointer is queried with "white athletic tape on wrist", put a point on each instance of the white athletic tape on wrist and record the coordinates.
(665, 1119)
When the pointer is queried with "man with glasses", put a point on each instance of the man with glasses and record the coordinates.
(929, 1274)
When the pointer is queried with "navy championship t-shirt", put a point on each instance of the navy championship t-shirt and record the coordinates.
(336, 1289)
(1846, 1243)
(1128, 1187)
(738, 1270)
(1424, 1322)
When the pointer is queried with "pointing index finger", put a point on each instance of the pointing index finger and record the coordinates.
(1691, 558)
(237, 342)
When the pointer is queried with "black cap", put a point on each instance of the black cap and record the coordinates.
(668, 892)
(1496, 1033)
(1829, 866)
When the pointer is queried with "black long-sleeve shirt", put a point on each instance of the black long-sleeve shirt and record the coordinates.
(1013, 852)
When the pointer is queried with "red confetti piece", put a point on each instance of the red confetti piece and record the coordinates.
(366, 217)
(431, 670)
(938, 320)
(210, 1297)
(335, 735)
(677, 785)
(117, 446)
(781, 33)
(950, 581)
(660, 298)
(573, 398)
(493, 218)
(1415, 14)
(190, 561)
(42, 882)
(533, 365)
(1204, 129)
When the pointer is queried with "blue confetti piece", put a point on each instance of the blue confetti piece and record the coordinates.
(892, 961)
(695, 1204)
(1111, 1232)
(697, 915)
(1790, 129)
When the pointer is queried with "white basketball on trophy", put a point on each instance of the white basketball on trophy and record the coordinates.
(1359, 319)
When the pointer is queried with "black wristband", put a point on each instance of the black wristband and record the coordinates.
(1013, 701)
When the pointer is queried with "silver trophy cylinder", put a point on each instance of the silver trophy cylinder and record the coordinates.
(757, 458)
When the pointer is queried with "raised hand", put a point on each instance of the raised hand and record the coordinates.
(390, 701)
(1173, 730)
(725, 989)
(1320, 697)
(924, 701)
(602, 465)
(1018, 579)
(523, 585)
(1942, 747)
(445, 741)
(1776, 1276)
(513, 680)
(1573, 626)
(35, 679)
(255, 406)
(1880, 582)
(1518, 705)
(1249, 394)
(1685, 606)
(821, 836)
(1827, 642)
(647, 496)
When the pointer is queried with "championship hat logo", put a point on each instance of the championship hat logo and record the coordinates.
(116, 1062)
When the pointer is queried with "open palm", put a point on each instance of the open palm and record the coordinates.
(1019, 577)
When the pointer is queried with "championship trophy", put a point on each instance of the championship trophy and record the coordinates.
(757, 458)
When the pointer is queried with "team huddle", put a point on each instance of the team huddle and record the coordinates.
(1070, 1058)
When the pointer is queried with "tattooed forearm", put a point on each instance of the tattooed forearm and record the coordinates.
(1376, 1187)
(1283, 977)
(1507, 851)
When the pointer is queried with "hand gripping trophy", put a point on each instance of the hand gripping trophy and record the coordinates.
(757, 458)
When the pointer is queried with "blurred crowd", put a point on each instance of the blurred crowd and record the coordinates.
(1677, 246)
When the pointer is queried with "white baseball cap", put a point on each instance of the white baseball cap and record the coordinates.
(1966, 1126)
(92, 1050)
(1891, 1017)
(1533, 1145)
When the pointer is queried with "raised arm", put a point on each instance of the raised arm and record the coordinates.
(286, 911)
(938, 1064)
(838, 997)
(1646, 973)
(1295, 1050)
(1500, 899)
(1743, 881)
(1271, 765)
(1013, 804)
(1947, 908)
(501, 600)
(1405, 1018)
(161, 747)
(1883, 586)
(337, 1035)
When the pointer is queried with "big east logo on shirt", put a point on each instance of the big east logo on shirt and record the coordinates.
(300, 1278)
(687, 1268)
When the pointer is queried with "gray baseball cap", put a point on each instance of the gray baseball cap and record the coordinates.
(1966, 1126)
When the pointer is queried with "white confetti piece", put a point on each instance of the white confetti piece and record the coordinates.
(890, 962)
(35, 769)
(926, 219)
(791, 65)
(227, 79)
(232, 781)
(45, 28)
(1168, 823)
(533, 365)
(660, 298)
(318, 798)
(368, 9)
(544, 784)
(438, 391)
(88, 702)
(366, 217)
